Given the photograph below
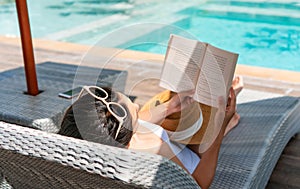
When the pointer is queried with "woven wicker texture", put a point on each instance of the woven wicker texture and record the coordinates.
(250, 151)
(34, 159)
(3, 183)
(45, 110)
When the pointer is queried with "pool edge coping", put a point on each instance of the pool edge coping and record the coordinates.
(251, 71)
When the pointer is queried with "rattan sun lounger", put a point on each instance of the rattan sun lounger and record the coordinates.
(250, 152)
(34, 159)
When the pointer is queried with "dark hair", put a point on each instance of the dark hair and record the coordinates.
(88, 118)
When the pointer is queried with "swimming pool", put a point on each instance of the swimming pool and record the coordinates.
(265, 33)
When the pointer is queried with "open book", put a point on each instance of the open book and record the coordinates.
(191, 64)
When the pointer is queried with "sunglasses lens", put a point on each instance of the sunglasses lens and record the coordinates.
(98, 92)
(117, 109)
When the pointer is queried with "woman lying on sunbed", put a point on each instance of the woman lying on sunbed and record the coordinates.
(107, 117)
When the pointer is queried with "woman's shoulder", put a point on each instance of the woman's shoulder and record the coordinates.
(171, 149)
(147, 138)
(155, 129)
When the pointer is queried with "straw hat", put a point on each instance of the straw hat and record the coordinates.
(185, 119)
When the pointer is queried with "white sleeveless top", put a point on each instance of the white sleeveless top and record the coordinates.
(187, 157)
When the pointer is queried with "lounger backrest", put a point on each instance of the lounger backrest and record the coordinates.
(35, 159)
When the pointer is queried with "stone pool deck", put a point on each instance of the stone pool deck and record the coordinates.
(271, 81)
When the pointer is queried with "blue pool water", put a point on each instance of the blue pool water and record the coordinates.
(265, 34)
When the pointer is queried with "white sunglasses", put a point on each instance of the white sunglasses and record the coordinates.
(116, 109)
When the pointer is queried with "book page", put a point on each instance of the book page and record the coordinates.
(216, 75)
(182, 64)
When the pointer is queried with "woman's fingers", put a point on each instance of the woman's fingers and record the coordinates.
(181, 100)
(233, 97)
(188, 93)
(186, 102)
(232, 100)
(221, 103)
